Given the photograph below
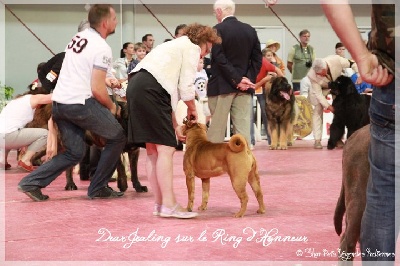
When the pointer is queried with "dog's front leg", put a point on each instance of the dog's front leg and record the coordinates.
(122, 181)
(70, 180)
(205, 184)
(274, 136)
(133, 155)
(336, 132)
(289, 134)
(282, 137)
(190, 188)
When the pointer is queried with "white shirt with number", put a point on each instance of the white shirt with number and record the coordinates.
(86, 51)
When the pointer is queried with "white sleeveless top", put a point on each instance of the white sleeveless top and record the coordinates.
(16, 114)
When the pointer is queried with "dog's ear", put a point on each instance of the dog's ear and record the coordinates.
(267, 86)
(184, 130)
(335, 87)
(351, 88)
(288, 87)
(203, 126)
(275, 83)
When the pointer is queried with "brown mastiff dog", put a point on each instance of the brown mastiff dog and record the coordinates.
(205, 159)
(355, 172)
(282, 111)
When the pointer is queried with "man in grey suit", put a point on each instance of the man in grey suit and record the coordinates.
(235, 64)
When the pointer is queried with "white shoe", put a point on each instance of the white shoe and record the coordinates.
(175, 213)
(157, 209)
(317, 144)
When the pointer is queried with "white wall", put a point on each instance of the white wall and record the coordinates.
(56, 24)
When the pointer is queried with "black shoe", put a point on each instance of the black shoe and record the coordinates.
(179, 147)
(35, 195)
(105, 193)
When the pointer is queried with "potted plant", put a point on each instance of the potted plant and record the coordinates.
(6, 94)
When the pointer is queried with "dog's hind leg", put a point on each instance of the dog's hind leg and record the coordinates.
(190, 187)
(239, 185)
(70, 181)
(349, 239)
(351, 236)
(133, 155)
(205, 184)
(355, 205)
(254, 181)
(36, 159)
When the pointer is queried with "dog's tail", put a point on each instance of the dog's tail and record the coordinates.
(339, 212)
(237, 143)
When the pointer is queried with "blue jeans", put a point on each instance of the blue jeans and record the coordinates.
(296, 86)
(378, 228)
(72, 121)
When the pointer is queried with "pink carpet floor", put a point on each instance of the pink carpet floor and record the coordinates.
(300, 186)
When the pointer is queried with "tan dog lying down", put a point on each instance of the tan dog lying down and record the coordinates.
(205, 159)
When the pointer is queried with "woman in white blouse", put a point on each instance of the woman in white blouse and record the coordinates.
(163, 77)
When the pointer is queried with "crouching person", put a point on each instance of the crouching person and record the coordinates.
(18, 113)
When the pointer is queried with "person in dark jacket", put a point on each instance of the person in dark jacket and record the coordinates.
(235, 64)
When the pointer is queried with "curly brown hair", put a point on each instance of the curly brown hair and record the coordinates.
(199, 34)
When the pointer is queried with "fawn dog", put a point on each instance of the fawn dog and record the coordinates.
(205, 160)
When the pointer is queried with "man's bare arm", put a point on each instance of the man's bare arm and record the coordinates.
(99, 90)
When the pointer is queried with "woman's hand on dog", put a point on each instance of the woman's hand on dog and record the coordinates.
(192, 114)
(179, 133)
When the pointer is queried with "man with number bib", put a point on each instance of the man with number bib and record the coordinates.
(81, 102)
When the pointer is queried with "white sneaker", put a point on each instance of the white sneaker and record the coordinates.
(317, 144)
(157, 209)
(176, 213)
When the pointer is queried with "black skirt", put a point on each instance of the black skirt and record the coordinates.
(150, 112)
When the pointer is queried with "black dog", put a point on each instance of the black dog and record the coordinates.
(351, 109)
